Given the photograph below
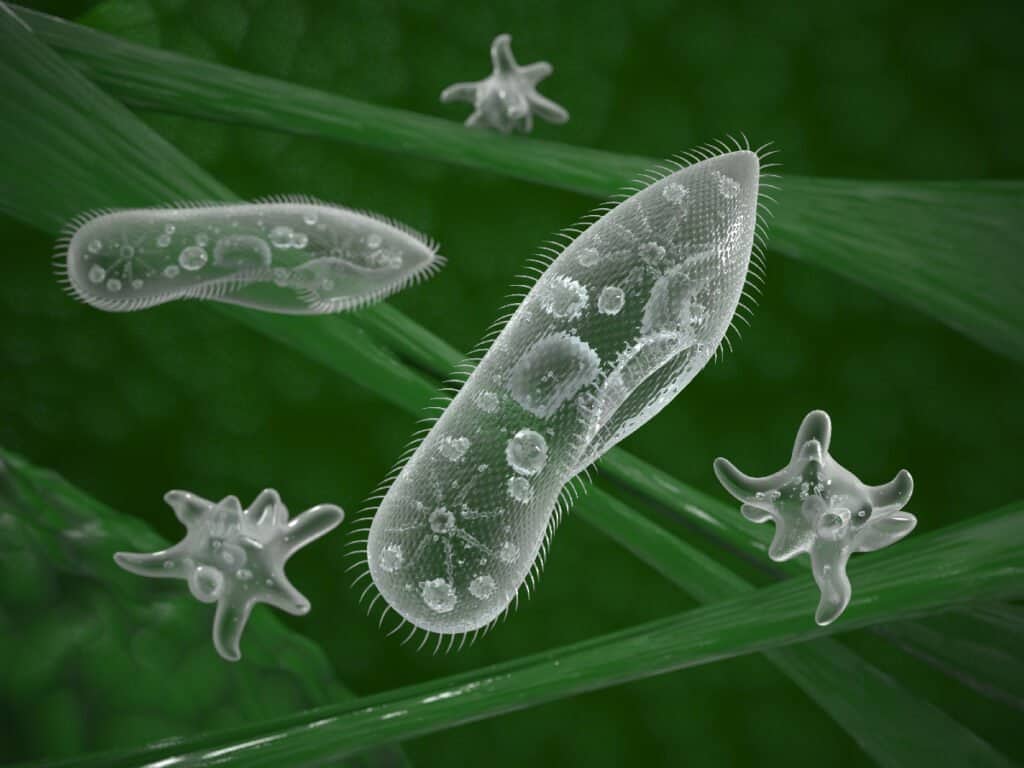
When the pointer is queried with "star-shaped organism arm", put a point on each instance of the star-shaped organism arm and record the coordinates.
(235, 557)
(507, 99)
(822, 509)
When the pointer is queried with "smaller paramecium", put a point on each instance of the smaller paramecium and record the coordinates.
(235, 557)
(507, 99)
(288, 255)
(821, 508)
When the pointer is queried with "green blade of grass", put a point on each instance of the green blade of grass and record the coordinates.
(980, 559)
(73, 109)
(949, 249)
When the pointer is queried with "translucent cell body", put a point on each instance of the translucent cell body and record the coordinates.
(821, 508)
(235, 557)
(507, 100)
(287, 255)
(569, 376)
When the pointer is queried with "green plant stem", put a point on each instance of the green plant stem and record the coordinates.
(950, 249)
(981, 559)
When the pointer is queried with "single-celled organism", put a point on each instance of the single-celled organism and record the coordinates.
(617, 323)
(234, 557)
(821, 508)
(507, 99)
(290, 255)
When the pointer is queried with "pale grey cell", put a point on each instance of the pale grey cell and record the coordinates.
(507, 99)
(290, 255)
(235, 557)
(557, 389)
(822, 509)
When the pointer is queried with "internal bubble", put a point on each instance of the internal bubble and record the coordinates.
(527, 452)
(439, 595)
(242, 252)
(610, 332)
(565, 298)
(264, 255)
(551, 372)
(519, 489)
(611, 300)
(454, 448)
(482, 587)
(822, 509)
(206, 583)
(391, 558)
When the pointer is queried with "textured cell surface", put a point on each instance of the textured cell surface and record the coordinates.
(235, 557)
(571, 374)
(289, 255)
(507, 100)
(821, 508)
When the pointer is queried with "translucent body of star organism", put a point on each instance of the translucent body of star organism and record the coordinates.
(235, 557)
(821, 508)
(507, 100)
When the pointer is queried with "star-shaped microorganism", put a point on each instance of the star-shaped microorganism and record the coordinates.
(821, 508)
(508, 98)
(234, 557)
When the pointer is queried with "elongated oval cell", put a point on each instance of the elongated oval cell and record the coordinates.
(290, 255)
(618, 323)
(823, 510)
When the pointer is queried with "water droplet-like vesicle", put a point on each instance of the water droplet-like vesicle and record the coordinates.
(616, 325)
(281, 236)
(439, 595)
(588, 257)
(206, 584)
(611, 300)
(442, 520)
(373, 241)
(192, 258)
(508, 552)
(482, 587)
(668, 308)
(391, 558)
(527, 452)
(519, 489)
(113, 285)
(676, 194)
(652, 254)
(551, 372)
(487, 402)
(241, 252)
(97, 274)
(454, 448)
(564, 298)
(259, 255)
(728, 187)
(243, 574)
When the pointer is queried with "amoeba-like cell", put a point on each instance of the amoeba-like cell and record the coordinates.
(568, 377)
(235, 557)
(507, 99)
(290, 255)
(821, 508)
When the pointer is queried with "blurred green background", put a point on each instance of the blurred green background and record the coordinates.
(127, 407)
